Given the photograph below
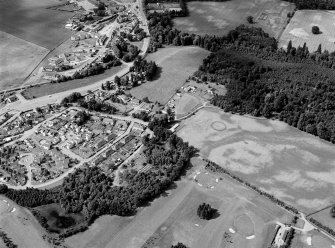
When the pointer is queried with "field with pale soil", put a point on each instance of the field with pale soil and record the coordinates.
(296, 167)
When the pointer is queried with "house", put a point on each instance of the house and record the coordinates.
(107, 153)
(100, 143)
(117, 146)
(98, 160)
(110, 137)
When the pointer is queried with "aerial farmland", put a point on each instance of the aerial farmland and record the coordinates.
(295, 167)
(218, 18)
(299, 30)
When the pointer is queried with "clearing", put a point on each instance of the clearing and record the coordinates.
(218, 18)
(299, 30)
(177, 64)
(18, 59)
(20, 225)
(296, 167)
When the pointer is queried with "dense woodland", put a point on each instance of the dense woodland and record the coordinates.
(92, 104)
(314, 4)
(143, 67)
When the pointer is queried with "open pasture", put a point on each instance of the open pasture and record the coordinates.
(218, 18)
(177, 64)
(31, 20)
(296, 167)
(299, 30)
(20, 225)
(18, 59)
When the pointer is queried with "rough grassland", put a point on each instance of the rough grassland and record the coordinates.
(177, 64)
(20, 226)
(296, 167)
(218, 18)
(299, 30)
(18, 59)
(30, 20)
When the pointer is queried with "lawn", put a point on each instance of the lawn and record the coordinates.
(31, 20)
(48, 89)
(299, 30)
(218, 18)
(18, 59)
(186, 104)
(296, 167)
(176, 65)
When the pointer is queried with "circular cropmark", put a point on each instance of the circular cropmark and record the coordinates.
(218, 126)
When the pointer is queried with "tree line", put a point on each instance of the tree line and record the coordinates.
(314, 4)
(7, 241)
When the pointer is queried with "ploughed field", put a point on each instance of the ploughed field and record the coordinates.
(296, 167)
(299, 30)
(218, 18)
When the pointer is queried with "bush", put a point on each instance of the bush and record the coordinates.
(315, 30)
(205, 211)
(250, 19)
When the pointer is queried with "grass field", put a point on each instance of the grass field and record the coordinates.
(325, 218)
(218, 18)
(299, 30)
(186, 104)
(20, 225)
(311, 240)
(48, 89)
(30, 20)
(177, 64)
(172, 218)
(296, 167)
(18, 59)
